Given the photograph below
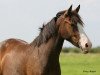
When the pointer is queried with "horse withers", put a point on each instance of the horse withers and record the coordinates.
(41, 57)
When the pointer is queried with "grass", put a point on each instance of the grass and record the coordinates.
(80, 64)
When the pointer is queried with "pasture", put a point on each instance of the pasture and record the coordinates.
(80, 64)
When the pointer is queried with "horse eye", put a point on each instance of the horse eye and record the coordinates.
(74, 27)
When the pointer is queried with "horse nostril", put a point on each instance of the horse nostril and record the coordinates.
(86, 45)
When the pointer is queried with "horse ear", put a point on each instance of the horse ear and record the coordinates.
(77, 9)
(70, 9)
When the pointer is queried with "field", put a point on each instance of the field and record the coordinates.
(80, 64)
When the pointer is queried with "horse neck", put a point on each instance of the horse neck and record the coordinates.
(48, 55)
(51, 48)
(49, 41)
(47, 47)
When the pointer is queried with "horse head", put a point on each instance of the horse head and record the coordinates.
(70, 27)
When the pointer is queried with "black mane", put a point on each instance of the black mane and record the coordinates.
(46, 32)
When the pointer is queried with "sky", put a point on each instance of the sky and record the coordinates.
(22, 18)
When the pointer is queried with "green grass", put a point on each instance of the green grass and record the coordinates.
(80, 64)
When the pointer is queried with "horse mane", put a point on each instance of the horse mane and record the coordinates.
(46, 32)
(50, 30)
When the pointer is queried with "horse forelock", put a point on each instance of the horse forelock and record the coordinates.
(75, 18)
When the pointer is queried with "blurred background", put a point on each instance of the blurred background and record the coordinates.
(22, 18)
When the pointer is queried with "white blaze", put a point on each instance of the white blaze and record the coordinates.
(83, 37)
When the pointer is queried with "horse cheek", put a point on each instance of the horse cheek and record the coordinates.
(63, 31)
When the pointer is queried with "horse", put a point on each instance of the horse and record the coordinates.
(41, 56)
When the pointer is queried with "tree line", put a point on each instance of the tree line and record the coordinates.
(77, 50)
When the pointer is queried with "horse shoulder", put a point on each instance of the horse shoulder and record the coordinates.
(9, 45)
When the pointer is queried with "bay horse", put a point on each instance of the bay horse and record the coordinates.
(41, 57)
